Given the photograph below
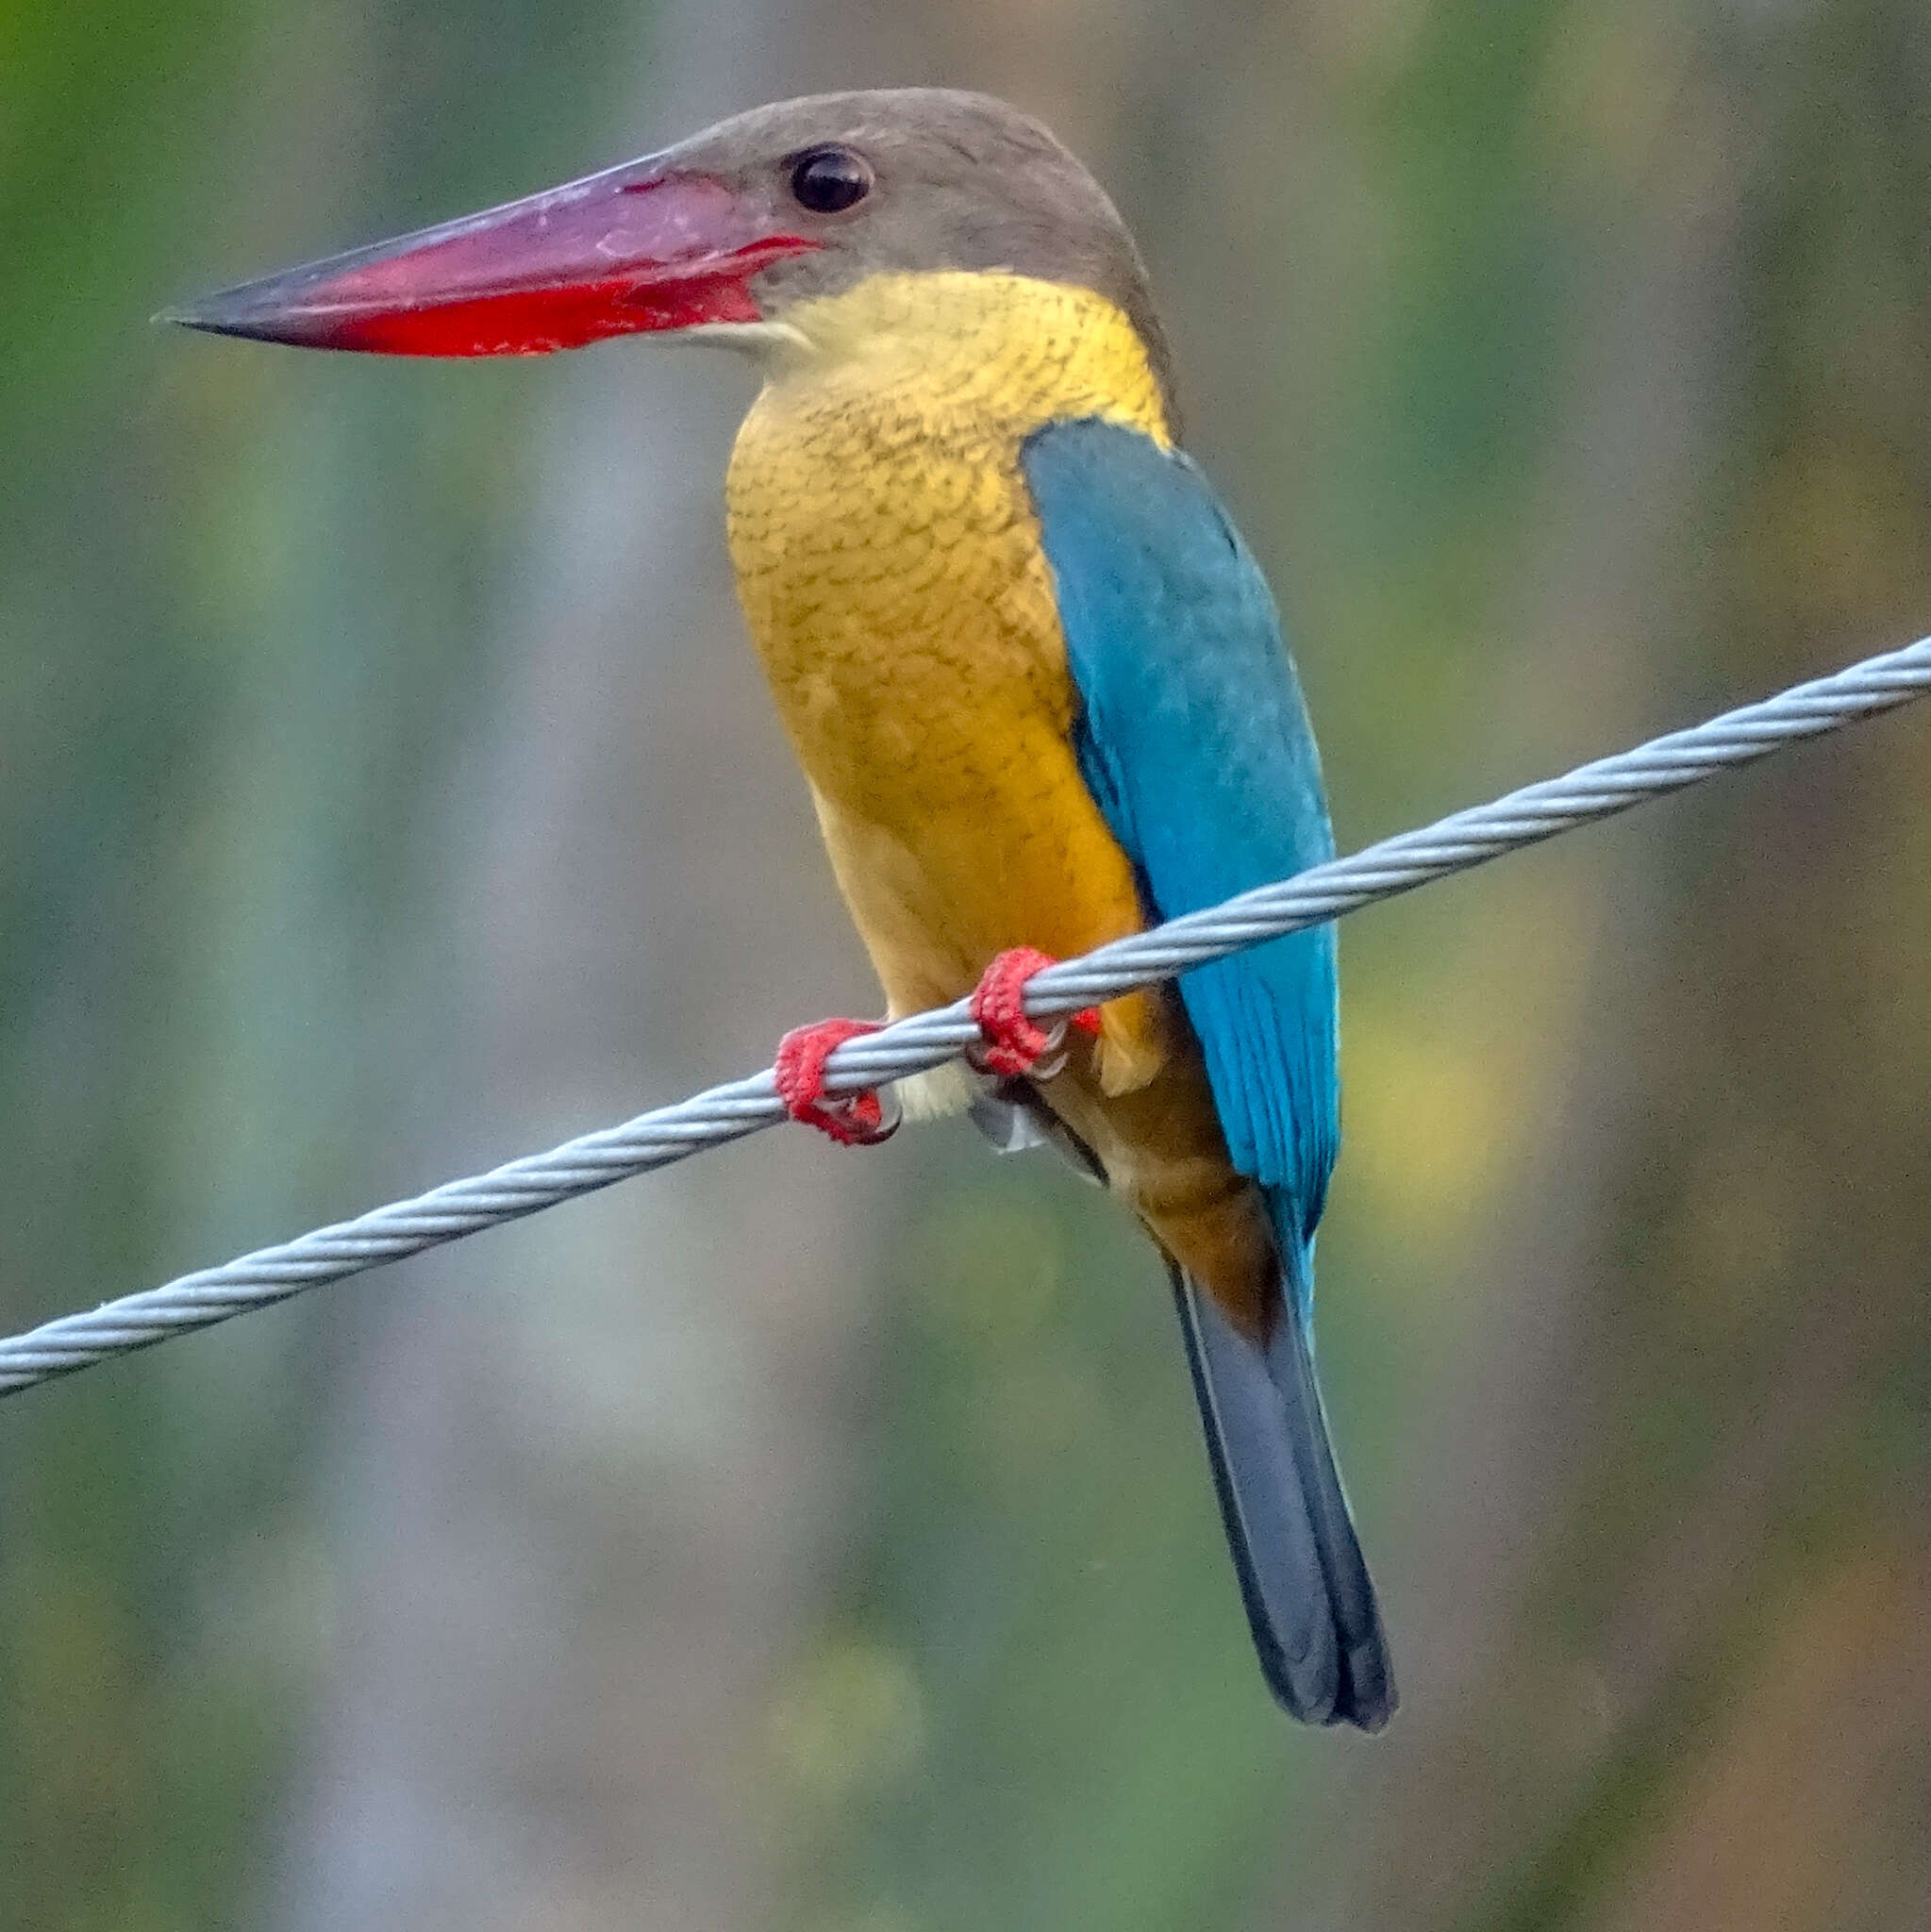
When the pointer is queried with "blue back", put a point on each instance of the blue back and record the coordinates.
(1194, 740)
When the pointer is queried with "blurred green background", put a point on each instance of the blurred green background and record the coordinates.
(821, 1544)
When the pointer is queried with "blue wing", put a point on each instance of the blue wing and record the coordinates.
(1195, 742)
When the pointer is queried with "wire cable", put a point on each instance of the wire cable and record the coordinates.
(667, 1134)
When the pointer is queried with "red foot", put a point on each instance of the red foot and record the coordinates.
(1015, 1044)
(853, 1120)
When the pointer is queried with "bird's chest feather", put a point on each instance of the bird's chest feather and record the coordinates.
(886, 551)
(890, 567)
(894, 584)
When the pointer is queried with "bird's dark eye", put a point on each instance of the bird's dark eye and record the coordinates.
(830, 179)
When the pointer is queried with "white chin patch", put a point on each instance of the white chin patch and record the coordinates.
(747, 338)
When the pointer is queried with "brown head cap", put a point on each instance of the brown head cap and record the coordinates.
(955, 181)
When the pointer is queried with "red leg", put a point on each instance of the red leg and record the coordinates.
(855, 1120)
(1015, 1044)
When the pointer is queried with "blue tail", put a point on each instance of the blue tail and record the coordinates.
(1309, 1602)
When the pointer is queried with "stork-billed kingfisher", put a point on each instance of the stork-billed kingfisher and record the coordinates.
(1034, 677)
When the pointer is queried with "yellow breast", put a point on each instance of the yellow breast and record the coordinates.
(890, 569)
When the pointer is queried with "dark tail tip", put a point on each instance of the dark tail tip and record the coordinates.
(1311, 1603)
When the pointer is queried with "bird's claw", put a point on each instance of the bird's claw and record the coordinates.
(1015, 1044)
(853, 1120)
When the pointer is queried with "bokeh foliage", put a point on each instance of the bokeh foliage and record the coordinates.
(1571, 370)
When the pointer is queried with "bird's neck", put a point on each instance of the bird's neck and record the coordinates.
(945, 353)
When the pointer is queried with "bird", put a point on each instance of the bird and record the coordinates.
(1035, 678)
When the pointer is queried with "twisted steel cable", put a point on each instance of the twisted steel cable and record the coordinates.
(710, 1119)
